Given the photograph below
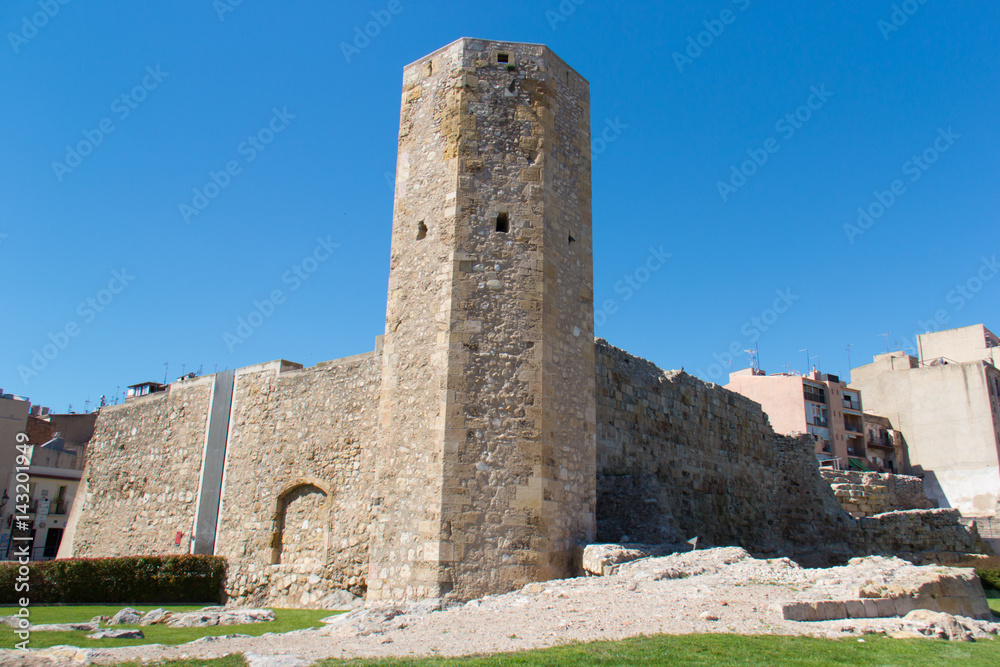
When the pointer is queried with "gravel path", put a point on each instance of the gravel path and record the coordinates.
(717, 590)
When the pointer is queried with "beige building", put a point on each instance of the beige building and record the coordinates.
(55, 447)
(946, 404)
(819, 404)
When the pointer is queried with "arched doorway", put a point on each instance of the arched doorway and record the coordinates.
(302, 526)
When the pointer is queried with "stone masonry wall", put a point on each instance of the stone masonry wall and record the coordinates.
(485, 469)
(296, 502)
(143, 473)
(679, 458)
(864, 494)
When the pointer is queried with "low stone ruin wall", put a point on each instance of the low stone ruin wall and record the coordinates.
(864, 494)
(679, 458)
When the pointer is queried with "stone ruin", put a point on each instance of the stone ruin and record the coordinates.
(488, 437)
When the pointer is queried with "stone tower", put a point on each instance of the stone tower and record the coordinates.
(485, 468)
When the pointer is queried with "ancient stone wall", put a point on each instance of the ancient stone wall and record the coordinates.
(485, 471)
(143, 473)
(296, 502)
(911, 533)
(679, 458)
(864, 494)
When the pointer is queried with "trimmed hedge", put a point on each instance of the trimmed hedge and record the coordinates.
(990, 578)
(135, 579)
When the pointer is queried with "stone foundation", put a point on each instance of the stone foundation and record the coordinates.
(864, 494)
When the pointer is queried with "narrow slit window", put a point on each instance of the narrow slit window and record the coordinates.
(502, 58)
(571, 239)
(503, 223)
(421, 230)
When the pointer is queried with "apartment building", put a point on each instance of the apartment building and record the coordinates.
(946, 403)
(55, 449)
(819, 404)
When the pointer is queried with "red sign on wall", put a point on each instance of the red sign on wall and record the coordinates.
(177, 538)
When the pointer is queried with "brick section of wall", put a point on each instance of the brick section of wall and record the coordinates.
(142, 479)
(864, 494)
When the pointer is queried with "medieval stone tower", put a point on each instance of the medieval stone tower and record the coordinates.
(484, 474)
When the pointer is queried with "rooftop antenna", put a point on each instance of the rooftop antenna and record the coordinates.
(886, 334)
(166, 368)
(86, 405)
(806, 350)
(754, 360)
(848, 348)
(117, 389)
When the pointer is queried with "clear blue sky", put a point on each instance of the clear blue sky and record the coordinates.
(678, 116)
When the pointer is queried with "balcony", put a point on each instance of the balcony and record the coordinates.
(814, 397)
(852, 405)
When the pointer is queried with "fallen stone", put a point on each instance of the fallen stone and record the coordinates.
(604, 559)
(938, 625)
(127, 616)
(204, 618)
(340, 600)
(64, 627)
(155, 616)
(280, 660)
(122, 633)
(49, 657)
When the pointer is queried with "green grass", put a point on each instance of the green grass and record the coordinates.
(993, 599)
(285, 620)
(723, 650)
(231, 660)
(713, 650)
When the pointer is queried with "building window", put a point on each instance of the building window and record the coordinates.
(502, 58)
(503, 223)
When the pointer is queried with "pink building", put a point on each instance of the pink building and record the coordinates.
(818, 404)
